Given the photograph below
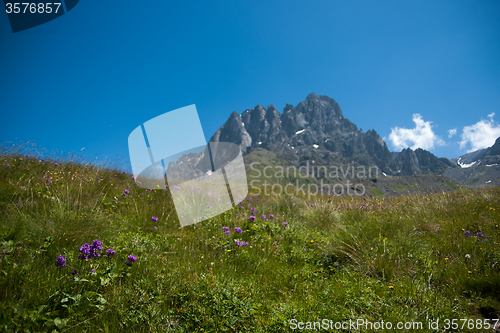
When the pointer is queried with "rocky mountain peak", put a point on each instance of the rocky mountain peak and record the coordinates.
(316, 129)
(495, 149)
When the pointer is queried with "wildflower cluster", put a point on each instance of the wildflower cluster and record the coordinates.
(480, 236)
(240, 243)
(90, 250)
(226, 230)
(132, 259)
(60, 261)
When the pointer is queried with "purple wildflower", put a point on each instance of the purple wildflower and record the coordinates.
(285, 224)
(74, 272)
(85, 251)
(312, 205)
(155, 227)
(97, 244)
(128, 186)
(154, 218)
(110, 252)
(90, 250)
(467, 233)
(253, 209)
(252, 218)
(208, 206)
(271, 216)
(241, 207)
(8, 166)
(99, 179)
(226, 230)
(60, 261)
(56, 164)
(263, 217)
(92, 271)
(238, 230)
(124, 172)
(240, 243)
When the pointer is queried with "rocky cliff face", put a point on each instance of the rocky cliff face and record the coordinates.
(316, 129)
(316, 132)
(478, 169)
(420, 162)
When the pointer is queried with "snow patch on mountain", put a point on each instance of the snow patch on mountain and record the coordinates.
(466, 165)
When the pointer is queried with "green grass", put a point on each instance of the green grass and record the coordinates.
(394, 259)
(399, 187)
(454, 186)
(376, 192)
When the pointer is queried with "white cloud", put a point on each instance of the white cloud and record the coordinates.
(480, 135)
(452, 132)
(422, 136)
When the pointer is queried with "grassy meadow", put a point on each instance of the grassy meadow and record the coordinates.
(405, 259)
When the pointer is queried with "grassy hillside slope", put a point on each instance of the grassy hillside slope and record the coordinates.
(265, 168)
(408, 259)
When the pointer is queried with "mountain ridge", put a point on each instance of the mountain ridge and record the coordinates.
(316, 130)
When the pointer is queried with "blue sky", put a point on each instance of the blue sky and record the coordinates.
(411, 70)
